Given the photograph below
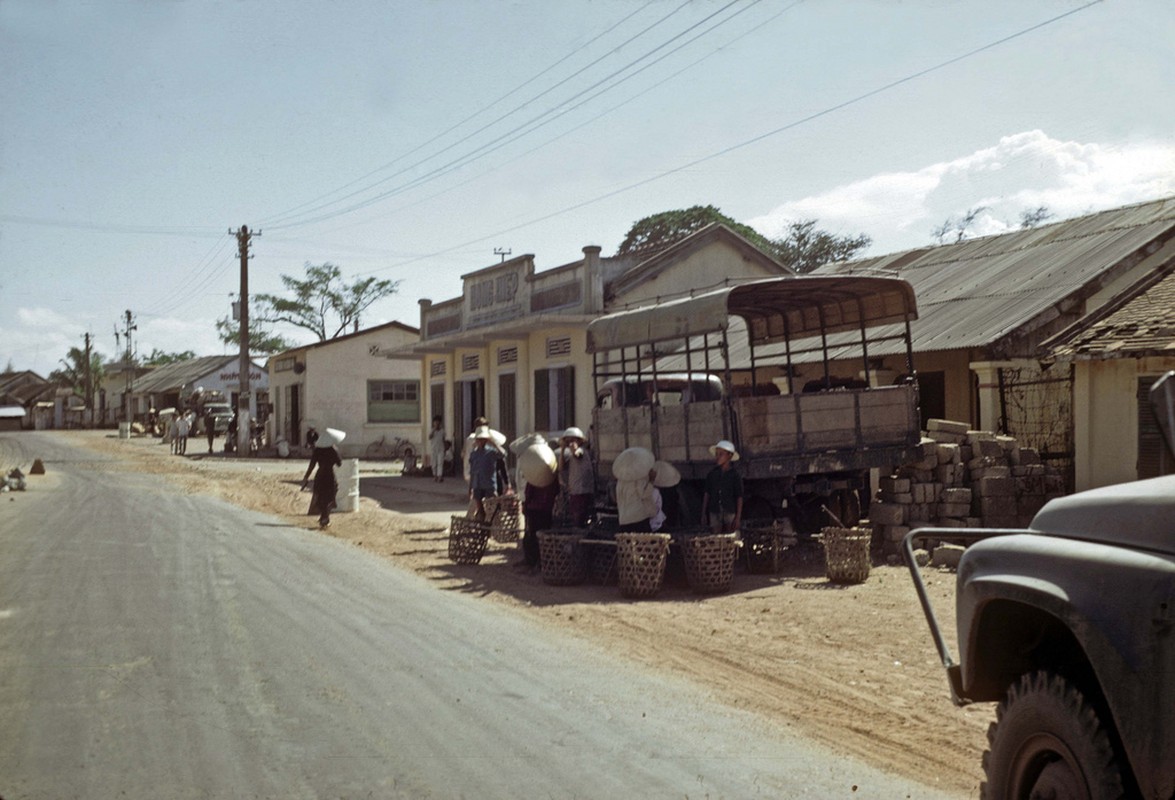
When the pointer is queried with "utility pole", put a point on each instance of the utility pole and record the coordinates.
(129, 368)
(244, 235)
(89, 384)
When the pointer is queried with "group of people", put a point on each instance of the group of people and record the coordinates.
(177, 432)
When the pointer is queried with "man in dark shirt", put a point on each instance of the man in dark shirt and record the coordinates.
(722, 503)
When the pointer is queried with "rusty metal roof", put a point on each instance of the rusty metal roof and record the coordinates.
(974, 293)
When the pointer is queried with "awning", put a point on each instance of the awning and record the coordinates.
(774, 309)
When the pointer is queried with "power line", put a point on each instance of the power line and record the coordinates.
(477, 152)
(757, 28)
(480, 111)
(756, 139)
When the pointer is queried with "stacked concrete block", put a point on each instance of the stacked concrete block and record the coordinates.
(963, 478)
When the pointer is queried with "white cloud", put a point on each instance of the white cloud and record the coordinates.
(1022, 172)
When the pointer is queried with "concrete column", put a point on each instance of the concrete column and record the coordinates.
(989, 391)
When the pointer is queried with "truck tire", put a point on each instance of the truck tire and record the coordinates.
(1049, 742)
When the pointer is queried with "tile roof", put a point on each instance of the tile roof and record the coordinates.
(1142, 324)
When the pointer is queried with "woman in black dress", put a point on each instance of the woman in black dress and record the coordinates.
(326, 457)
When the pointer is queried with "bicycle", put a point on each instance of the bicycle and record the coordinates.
(396, 448)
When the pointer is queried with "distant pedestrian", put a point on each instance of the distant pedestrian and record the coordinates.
(181, 434)
(436, 449)
(230, 435)
(210, 427)
(326, 487)
(172, 433)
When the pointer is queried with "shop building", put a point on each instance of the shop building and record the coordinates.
(512, 346)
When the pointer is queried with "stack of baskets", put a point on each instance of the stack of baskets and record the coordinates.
(709, 561)
(561, 556)
(640, 559)
(502, 517)
(467, 540)
(846, 553)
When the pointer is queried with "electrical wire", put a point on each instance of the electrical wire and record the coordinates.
(758, 138)
(443, 169)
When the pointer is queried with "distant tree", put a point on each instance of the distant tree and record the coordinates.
(72, 374)
(658, 231)
(262, 340)
(805, 248)
(1030, 218)
(9, 368)
(158, 357)
(956, 229)
(322, 303)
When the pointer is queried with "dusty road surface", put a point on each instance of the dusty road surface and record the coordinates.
(694, 696)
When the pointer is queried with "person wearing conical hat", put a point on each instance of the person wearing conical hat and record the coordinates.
(487, 470)
(722, 503)
(579, 477)
(326, 457)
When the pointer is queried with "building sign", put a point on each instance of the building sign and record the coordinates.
(229, 377)
(495, 294)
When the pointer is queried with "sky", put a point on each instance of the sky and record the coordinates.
(414, 140)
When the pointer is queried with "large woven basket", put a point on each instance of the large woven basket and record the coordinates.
(467, 540)
(640, 563)
(764, 542)
(502, 517)
(709, 561)
(561, 556)
(846, 553)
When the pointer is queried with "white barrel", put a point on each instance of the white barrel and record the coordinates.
(347, 498)
(124, 430)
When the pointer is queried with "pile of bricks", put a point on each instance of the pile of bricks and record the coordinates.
(964, 479)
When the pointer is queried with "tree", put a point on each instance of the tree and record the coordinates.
(262, 340)
(1030, 218)
(8, 370)
(658, 231)
(957, 227)
(158, 357)
(805, 248)
(73, 371)
(322, 303)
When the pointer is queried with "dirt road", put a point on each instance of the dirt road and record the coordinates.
(850, 667)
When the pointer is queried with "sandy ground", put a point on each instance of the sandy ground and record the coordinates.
(850, 667)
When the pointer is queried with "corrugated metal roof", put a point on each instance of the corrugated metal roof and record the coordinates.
(180, 374)
(974, 293)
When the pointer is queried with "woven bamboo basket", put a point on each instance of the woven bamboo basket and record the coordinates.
(709, 561)
(764, 542)
(467, 540)
(502, 517)
(846, 553)
(561, 556)
(640, 562)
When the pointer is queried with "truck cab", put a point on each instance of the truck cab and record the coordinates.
(1069, 625)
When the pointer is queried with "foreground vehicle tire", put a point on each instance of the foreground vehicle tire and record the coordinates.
(1048, 743)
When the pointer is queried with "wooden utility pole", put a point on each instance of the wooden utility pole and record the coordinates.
(244, 235)
(89, 385)
(127, 399)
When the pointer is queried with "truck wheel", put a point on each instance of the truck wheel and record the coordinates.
(1048, 742)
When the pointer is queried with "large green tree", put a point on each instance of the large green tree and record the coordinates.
(803, 248)
(658, 231)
